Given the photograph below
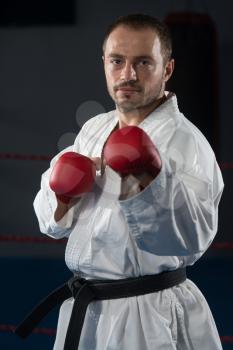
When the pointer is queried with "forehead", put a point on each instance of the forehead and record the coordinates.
(127, 41)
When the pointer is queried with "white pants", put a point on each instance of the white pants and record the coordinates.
(178, 318)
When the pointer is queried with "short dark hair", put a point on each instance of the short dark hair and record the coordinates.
(139, 21)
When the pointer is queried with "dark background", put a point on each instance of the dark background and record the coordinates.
(51, 81)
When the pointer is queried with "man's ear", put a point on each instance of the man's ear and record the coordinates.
(103, 58)
(169, 68)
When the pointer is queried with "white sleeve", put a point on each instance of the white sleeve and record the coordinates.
(177, 214)
(45, 203)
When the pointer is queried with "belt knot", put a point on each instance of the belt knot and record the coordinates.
(75, 284)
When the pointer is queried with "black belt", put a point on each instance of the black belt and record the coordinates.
(85, 291)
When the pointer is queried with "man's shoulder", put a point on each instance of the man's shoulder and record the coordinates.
(182, 122)
(194, 131)
(99, 120)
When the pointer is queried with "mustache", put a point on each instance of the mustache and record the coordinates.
(126, 84)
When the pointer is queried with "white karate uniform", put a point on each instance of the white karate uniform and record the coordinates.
(168, 225)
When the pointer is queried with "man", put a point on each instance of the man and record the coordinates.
(157, 217)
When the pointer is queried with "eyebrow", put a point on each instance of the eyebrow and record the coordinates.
(136, 57)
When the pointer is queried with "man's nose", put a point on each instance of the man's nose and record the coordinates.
(128, 72)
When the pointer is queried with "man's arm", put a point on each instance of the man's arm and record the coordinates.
(175, 211)
(133, 184)
(62, 208)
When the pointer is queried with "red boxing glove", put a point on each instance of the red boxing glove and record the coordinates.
(129, 150)
(72, 176)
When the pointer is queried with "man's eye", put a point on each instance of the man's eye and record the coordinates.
(144, 62)
(116, 61)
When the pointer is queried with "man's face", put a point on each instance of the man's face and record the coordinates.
(134, 68)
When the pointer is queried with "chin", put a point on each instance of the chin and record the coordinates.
(126, 107)
(127, 103)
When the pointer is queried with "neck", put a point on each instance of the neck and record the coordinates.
(136, 116)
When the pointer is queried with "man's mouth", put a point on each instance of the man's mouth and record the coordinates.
(127, 89)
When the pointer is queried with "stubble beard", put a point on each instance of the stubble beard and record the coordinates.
(128, 106)
(138, 106)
